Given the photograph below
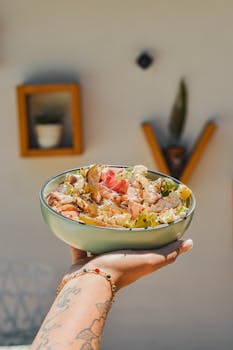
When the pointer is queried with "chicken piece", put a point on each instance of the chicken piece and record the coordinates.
(107, 193)
(171, 201)
(71, 214)
(135, 209)
(150, 195)
(71, 178)
(52, 200)
(66, 207)
(133, 195)
(109, 209)
(62, 198)
(93, 179)
(82, 204)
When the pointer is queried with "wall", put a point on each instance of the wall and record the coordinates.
(188, 306)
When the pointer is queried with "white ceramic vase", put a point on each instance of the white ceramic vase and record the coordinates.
(48, 135)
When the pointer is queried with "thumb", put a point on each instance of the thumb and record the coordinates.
(77, 255)
(171, 252)
(168, 254)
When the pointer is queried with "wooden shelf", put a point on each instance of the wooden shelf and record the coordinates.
(198, 150)
(34, 98)
(155, 148)
(193, 158)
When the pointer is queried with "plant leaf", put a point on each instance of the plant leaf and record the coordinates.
(179, 112)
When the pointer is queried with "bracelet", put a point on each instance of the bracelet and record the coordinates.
(96, 271)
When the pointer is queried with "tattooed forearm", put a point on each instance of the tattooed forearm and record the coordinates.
(104, 308)
(92, 335)
(61, 305)
(63, 300)
(76, 320)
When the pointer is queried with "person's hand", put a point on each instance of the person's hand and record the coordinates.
(126, 266)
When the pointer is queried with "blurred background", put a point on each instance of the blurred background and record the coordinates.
(95, 43)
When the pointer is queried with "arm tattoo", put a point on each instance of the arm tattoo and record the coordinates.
(92, 335)
(62, 304)
(64, 300)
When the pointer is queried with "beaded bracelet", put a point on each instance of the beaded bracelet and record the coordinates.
(84, 271)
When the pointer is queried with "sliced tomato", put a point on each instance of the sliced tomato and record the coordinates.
(109, 178)
(109, 173)
(121, 186)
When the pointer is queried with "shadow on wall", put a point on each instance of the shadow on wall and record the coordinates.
(26, 291)
(52, 77)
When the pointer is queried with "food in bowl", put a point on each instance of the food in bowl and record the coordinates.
(101, 239)
(115, 197)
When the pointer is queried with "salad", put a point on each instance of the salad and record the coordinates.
(119, 197)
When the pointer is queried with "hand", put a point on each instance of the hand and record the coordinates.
(126, 266)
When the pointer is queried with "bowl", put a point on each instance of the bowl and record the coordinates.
(98, 239)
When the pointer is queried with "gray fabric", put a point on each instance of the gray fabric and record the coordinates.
(26, 291)
(19, 347)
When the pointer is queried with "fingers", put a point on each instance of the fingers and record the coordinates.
(80, 257)
(77, 255)
(168, 254)
(181, 248)
(186, 246)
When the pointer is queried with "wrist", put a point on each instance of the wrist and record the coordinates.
(92, 278)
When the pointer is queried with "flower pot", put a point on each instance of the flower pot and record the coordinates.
(175, 156)
(48, 135)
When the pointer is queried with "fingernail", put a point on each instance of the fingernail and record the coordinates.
(187, 244)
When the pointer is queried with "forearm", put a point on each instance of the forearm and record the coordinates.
(77, 316)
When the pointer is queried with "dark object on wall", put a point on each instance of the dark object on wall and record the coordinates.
(145, 60)
(175, 152)
(178, 113)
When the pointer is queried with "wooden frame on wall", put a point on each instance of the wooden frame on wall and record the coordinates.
(193, 158)
(27, 98)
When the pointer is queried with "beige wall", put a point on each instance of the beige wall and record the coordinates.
(189, 306)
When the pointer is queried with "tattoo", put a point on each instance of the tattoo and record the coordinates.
(104, 308)
(62, 304)
(64, 300)
(92, 335)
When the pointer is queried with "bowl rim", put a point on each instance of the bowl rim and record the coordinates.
(136, 229)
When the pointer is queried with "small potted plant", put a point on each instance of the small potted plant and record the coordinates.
(48, 129)
(175, 152)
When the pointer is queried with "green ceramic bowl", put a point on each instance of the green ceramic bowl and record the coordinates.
(97, 239)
